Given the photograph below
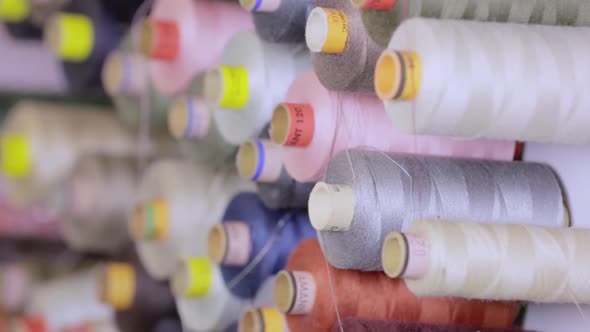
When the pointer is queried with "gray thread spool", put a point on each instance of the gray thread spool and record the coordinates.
(390, 191)
(284, 25)
(353, 69)
(286, 192)
(380, 25)
(211, 148)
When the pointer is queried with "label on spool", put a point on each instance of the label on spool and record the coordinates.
(165, 39)
(239, 243)
(14, 10)
(301, 124)
(156, 220)
(16, 156)
(418, 256)
(304, 292)
(272, 320)
(32, 324)
(337, 31)
(235, 87)
(76, 37)
(410, 73)
(378, 4)
(121, 285)
(200, 277)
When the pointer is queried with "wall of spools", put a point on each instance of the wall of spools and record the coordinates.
(294, 165)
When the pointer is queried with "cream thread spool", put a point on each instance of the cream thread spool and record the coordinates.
(521, 262)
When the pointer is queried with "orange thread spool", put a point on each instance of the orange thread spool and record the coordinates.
(371, 295)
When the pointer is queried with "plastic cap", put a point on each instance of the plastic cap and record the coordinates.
(70, 36)
(14, 10)
(331, 207)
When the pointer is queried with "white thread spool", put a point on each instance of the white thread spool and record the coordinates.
(491, 261)
(192, 198)
(261, 74)
(69, 300)
(42, 141)
(100, 193)
(523, 82)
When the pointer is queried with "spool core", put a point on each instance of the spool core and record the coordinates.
(120, 74)
(227, 87)
(260, 5)
(17, 156)
(193, 278)
(292, 124)
(398, 75)
(117, 285)
(14, 10)
(160, 39)
(295, 292)
(261, 320)
(405, 255)
(188, 117)
(70, 36)
(331, 207)
(260, 160)
(230, 243)
(326, 30)
(150, 221)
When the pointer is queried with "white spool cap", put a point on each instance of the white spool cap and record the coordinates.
(229, 243)
(260, 5)
(331, 207)
(295, 292)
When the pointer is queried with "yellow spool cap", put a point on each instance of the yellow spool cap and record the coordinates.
(16, 156)
(120, 285)
(71, 36)
(14, 10)
(235, 87)
(272, 319)
(200, 275)
(156, 216)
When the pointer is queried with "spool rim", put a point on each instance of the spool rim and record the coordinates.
(217, 242)
(112, 73)
(386, 80)
(280, 124)
(247, 160)
(316, 30)
(251, 321)
(284, 293)
(394, 255)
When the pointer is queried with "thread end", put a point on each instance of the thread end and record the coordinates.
(331, 207)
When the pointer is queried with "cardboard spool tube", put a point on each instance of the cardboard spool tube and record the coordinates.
(260, 5)
(398, 75)
(331, 207)
(295, 292)
(405, 255)
(117, 285)
(160, 39)
(326, 30)
(292, 124)
(374, 4)
(229, 243)
(261, 320)
(188, 117)
(260, 161)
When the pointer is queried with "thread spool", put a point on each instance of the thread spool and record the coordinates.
(318, 124)
(36, 133)
(253, 242)
(82, 35)
(173, 34)
(279, 21)
(99, 193)
(561, 249)
(366, 325)
(69, 300)
(251, 78)
(382, 18)
(353, 221)
(343, 55)
(262, 319)
(202, 299)
(303, 291)
(177, 203)
(190, 121)
(139, 301)
(541, 108)
(262, 161)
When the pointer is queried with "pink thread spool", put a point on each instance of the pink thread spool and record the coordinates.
(186, 37)
(338, 121)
